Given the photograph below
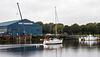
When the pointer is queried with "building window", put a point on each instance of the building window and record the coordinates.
(9, 29)
(38, 30)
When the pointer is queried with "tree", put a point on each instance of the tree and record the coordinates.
(75, 28)
(46, 28)
(40, 23)
(51, 27)
(98, 27)
(83, 29)
(92, 28)
(60, 28)
(67, 29)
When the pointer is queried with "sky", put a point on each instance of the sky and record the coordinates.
(69, 11)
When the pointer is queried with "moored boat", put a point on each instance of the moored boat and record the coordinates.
(54, 41)
(88, 38)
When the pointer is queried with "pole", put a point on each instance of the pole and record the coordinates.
(19, 11)
(21, 17)
(55, 22)
(56, 17)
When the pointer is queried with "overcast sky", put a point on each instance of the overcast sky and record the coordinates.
(69, 11)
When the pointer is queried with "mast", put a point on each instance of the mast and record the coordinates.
(21, 17)
(56, 18)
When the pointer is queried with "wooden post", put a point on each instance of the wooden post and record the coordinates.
(25, 39)
(30, 39)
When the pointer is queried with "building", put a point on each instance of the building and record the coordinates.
(17, 27)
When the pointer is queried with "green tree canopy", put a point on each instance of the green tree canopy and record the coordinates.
(46, 28)
(83, 29)
(40, 23)
(60, 28)
(67, 29)
(51, 27)
(75, 28)
(92, 28)
(98, 27)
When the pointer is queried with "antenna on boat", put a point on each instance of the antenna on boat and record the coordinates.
(21, 17)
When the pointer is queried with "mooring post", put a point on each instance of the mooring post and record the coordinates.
(25, 39)
(30, 39)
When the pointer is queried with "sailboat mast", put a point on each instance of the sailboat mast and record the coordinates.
(55, 21)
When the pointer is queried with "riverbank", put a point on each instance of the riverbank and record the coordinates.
(29, 39)
(20, 39)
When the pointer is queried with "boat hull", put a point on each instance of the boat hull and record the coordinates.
(52, 42)
(88, 39)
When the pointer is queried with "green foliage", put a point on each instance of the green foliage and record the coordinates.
(90, 28)
(36, 36)
(71, 38)
(35, 40)
(51, 27)
(83, 29)
(40, 23)
(46, 28)
(60, 28)
(98, 27)
(67, 29)
(31, 34)
(75, 29)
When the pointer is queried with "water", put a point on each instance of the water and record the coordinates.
(67, 49)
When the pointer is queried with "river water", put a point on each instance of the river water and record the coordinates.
(67, 49)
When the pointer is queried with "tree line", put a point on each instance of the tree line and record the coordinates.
(90, 28)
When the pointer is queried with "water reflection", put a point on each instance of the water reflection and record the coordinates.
(70, 43)
(22, 51)
(67, 49)
(88, 43)
(57, 46)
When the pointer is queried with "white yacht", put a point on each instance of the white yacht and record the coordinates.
(88, 38)
(55, 40)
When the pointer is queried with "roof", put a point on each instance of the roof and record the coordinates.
(11, 22)
(8, 23)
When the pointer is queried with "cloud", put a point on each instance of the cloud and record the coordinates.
(69, 11)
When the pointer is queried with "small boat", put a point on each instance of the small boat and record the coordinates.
(88, 38)
(54, 41)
